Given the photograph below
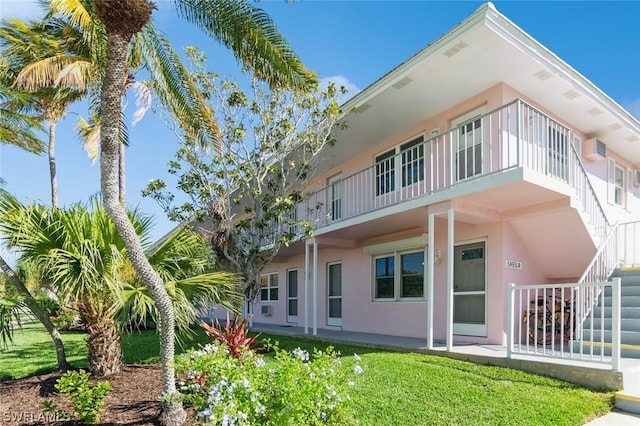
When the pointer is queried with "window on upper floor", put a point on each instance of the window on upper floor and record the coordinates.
(269, 287)
(469, 143)
(616, 187)
(410, 162)
(558, 149)
(335, 197)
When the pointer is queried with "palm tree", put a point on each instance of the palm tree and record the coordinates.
(81, 68)
(255, 41)
(79, 252)
(26, 43)
(17, 128)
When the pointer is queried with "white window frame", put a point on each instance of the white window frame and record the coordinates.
(334, 321)
(396, 163)
(464, 120)
(269, 287)
(293, 318)
(617, 189)
(334, 196)
(397, 276)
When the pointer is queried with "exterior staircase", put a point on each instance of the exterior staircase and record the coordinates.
(627, 399)
(629, 316)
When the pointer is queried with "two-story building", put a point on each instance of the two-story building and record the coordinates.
(482, 160)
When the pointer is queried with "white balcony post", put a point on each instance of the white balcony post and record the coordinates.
(306, 288)
(450, 243)
(518, 131)
(510, 318)
(315, 287)
(615, 324)
(430, 279)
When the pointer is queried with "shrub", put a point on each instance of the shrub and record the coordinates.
(49, 306)
(294, 389)
(234, 335)
(85, 400)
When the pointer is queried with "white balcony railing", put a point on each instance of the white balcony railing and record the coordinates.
(513, 136)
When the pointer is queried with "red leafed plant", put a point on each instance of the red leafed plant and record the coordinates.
(234, 335)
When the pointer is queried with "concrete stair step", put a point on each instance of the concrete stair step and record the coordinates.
(626, 350)
(630, 301)
(626, 337)
(626, 290)
(628, 402)
(626, 272)
(626, 324)
(626, 312)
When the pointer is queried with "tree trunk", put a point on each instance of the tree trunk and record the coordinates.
(52, 163)
(105, 350)
(39, 314)
(112, 91)
(121, 176)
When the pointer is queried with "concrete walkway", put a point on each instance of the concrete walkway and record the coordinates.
(483, 354)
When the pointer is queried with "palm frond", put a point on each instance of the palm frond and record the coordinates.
(11, 308)
(173, 86)
(253, 38)
(63, 71)
(90, 136)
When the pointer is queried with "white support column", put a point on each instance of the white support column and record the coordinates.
(510, 318)
(315, 287)
(430, 278)
(306, 288)
(450, 242)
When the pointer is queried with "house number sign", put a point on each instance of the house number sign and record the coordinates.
(513, 264)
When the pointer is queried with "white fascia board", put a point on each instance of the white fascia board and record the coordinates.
(397, 245)
(515, 35)
(405, 67)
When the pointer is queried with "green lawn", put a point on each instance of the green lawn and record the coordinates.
(395, 388)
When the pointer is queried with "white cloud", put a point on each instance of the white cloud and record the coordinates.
(23, 9)
(633, 107)
(340, 81)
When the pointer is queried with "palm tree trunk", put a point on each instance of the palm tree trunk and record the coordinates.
(121, 176)
(52, 163)
(35, 309)
(105, 349)
(112, 91)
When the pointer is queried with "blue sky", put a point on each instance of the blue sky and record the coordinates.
(353, 42)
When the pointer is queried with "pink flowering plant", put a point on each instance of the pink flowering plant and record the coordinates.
(292, 389)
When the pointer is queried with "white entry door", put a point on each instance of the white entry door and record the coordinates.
(334, 294)
(469, 290)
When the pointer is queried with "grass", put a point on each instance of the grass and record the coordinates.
(396, 388)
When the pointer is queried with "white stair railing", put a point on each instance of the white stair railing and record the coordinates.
(544, 322)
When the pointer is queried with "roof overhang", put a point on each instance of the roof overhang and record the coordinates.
(480, 52)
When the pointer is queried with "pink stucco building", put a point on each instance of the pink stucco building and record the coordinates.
(448, 185)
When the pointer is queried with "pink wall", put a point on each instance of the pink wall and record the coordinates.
(408, 318)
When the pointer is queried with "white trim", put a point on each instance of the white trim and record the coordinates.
(478, 330)
(269, 287)
(292, 318)
(468, 116)
(334, 321)
(397, 276)
(396, 245)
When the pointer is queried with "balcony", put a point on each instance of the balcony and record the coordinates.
(515, 136)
